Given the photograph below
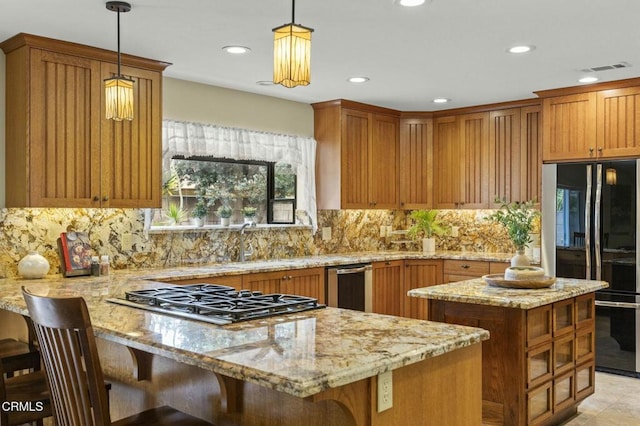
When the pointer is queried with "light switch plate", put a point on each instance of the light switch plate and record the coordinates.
(326, 233)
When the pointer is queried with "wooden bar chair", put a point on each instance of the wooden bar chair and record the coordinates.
(25, 398)
(70, 357)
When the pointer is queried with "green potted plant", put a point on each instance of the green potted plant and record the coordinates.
(175, 213)
(249, 213)
(518, 218)
(200, 212)
(225, 213)
(426, 226)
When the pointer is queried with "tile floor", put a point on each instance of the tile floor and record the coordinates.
(616, 402)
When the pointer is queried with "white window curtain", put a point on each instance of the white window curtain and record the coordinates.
(197, 139)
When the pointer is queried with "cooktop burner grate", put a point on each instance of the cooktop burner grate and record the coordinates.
(217, 304)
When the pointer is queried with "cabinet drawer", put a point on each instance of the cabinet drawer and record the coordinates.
(563, 317)
(498, 267)
(539, 404)
(584, 379)
(538, 325)
(563, 392)
(539, 368)
(470, 268)
(585, 345)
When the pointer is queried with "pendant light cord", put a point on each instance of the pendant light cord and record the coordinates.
(293, 11)
(119, 74)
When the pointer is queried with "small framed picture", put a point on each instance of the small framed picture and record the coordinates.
(283, 211)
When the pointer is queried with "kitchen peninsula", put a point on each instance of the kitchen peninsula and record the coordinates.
(539, 363)
(314, 368)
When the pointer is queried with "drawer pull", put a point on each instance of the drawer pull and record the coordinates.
(465, 266)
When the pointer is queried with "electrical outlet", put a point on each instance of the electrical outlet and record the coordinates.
(126, 242)
(385, 391)
(383, 231)
(454, 231)
(326, 233)
(389, 230)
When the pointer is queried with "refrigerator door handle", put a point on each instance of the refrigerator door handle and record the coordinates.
(596, 235)
(587, 222)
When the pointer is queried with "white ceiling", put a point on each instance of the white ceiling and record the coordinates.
(445, 48)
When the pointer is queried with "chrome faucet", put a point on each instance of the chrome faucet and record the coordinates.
(243, 254)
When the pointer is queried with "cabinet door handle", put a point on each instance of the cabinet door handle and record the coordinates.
(590, 151)
(96, 198)
(600, 149)
(105, 198)
(464, 266)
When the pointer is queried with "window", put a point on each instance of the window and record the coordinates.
(262, 191)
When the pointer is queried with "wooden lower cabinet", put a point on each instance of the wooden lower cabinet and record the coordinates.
(234, 281)
(419, 273)
(388, 283)
(538, 364)
(393, 279)
(302, 282)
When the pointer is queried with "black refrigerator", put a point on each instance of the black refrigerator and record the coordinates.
(589, 230)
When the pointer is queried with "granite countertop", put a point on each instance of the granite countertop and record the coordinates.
(299, 354)
(477, 291)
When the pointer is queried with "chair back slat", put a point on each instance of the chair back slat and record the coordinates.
(70, 356)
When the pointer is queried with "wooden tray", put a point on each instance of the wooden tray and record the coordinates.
(499, 281)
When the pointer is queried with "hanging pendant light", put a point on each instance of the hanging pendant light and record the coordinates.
(292, 53)
(118, 89)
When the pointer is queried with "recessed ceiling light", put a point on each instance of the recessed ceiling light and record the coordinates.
(521, 49)
(410, 3)
(441, 100)
(236, 50)
(264, 83)
(588, 79)
(358, 79)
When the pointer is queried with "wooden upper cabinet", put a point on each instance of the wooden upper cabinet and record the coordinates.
(61, 151)
(569, 127)
(384, 159)
(416, 163)
(358, 153)
(461, 152)
(134, 152)
(618, 124)
(356, 132)
(60, 164)
(515, 154)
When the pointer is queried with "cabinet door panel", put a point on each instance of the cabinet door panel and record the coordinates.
(132, 155)
(531, 148)
(416, 164)
(447, 155)
(506, 153)
(268, 282)
(569, 126)
(474, 129)
(355, 142)
(417, 274)
(384, 162)
(305, 282)
(387, 287)
(619, 122)
(65, 135)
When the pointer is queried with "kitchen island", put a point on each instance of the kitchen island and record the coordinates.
(539, 363)
(316, 367)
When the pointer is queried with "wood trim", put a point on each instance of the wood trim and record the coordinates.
(344, 103)
(488, 107)
(70, 48)
(572, 90)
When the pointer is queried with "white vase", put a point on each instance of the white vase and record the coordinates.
(520, 259)
(198, 221)
(224, 221)
(33, 265)
(249, 219)
(429, 245)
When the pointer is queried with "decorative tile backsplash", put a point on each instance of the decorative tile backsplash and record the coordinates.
(23, 230)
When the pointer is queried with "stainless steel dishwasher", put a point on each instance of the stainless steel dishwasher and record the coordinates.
(350, 287)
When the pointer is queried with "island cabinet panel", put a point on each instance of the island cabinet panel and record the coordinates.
(388, 286)
(302, 282)
(538, 364)
(618, 126)
(419, 273)
(515, 141)
(416, 163)
(61, 150)
(569, 127)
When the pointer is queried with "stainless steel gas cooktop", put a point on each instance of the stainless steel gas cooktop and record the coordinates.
(216, 304)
